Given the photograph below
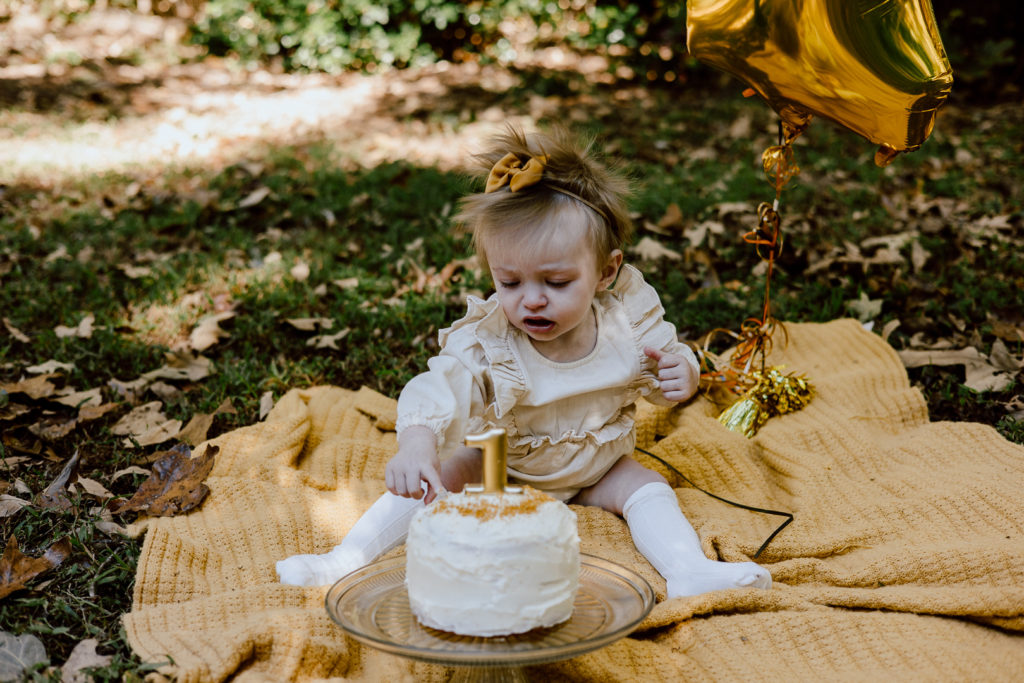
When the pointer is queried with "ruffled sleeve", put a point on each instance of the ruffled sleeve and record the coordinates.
(454, 387)
(649, 327)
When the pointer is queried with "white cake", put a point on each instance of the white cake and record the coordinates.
(487, 564)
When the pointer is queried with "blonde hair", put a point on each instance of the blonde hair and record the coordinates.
(570, 168)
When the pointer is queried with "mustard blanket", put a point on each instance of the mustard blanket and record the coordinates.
(905, 560)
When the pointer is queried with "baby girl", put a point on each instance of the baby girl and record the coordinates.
(558, 357)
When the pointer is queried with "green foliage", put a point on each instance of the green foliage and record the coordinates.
(332, 36)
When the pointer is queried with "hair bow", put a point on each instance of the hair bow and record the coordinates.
(512, 172)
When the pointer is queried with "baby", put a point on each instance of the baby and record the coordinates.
(558, 357)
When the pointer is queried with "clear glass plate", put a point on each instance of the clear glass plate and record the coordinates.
(372, 605)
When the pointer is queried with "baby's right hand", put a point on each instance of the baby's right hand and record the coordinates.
(415, 462)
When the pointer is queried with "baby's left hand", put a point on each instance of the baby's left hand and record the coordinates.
(677, 378)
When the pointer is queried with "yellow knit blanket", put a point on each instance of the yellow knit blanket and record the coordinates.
(905, 561)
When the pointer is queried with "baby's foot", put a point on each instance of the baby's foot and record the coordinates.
(315, 570)
(712, 576)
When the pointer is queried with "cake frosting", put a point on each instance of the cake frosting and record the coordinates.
(490, 564)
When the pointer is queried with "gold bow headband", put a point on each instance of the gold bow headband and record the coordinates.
(509, 170)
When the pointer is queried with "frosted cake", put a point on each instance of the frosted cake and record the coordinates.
(491, 564)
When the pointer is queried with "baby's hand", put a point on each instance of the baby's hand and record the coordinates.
(677, 378)
(415, 462)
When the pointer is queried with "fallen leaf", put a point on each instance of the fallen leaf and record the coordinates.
(54, 427)
(226, 407)
(164, 390)
(18, 653)
(175, 486)
(208, 332)
(865, 309)
(132, 469)
(78, 399)
(83, 657)
(147, 425)
(266, 403)
(328, 341)
(35, 387)
(673, 218)
(17, 569)
(50, 366)
(88, 413)
(134, 272)
(194, 433)
(83, 330)
(94, 488)
(54, 497)
(889, 328)
(11, 504)
(183, 366)
(980, 375)
(346, 283)
(13, 411)
(254, 197)
(15, 332)
(310, 324)
(106, 522)
(649, 249)
(300, 271)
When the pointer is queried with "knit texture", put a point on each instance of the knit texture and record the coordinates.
(906, 558)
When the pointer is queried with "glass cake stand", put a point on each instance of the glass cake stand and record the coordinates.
(371, 604)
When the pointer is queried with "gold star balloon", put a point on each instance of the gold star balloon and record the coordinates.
(876, 67)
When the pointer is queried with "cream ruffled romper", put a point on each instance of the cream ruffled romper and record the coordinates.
(567, 423)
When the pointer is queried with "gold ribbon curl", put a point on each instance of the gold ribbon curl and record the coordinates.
(766, 392)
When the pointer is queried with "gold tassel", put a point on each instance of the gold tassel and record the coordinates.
(772, 394)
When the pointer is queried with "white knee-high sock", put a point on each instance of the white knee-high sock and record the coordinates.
(663, 535)
(380, 529)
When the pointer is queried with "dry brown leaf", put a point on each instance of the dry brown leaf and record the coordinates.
(83, 330)
(226, 407)
(980, 374)
(310, 324)
(649, 249)
(83, 657)
(266, 403)
(50, 366)
(300, 271)
(88, 413)
(134, 272)
(15, 332)
(328, 341)
(89, 397)
(147, 425)
(132, 469)
(194, 433)
(12, 411)
(175, 485)
(34, 387)
(865, 309)
(183, 366)
(11, 504)
(208, 332)
(54, 427)
(254, 197)
(17, 569)
(54, 497)
(94, 488)
(347, 283)
(673, 218)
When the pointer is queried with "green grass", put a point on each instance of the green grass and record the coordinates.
(204, 252)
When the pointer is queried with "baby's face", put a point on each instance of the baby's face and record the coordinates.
(547, 293)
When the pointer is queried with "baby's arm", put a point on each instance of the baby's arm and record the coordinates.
(415, 462)
(677, 376)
